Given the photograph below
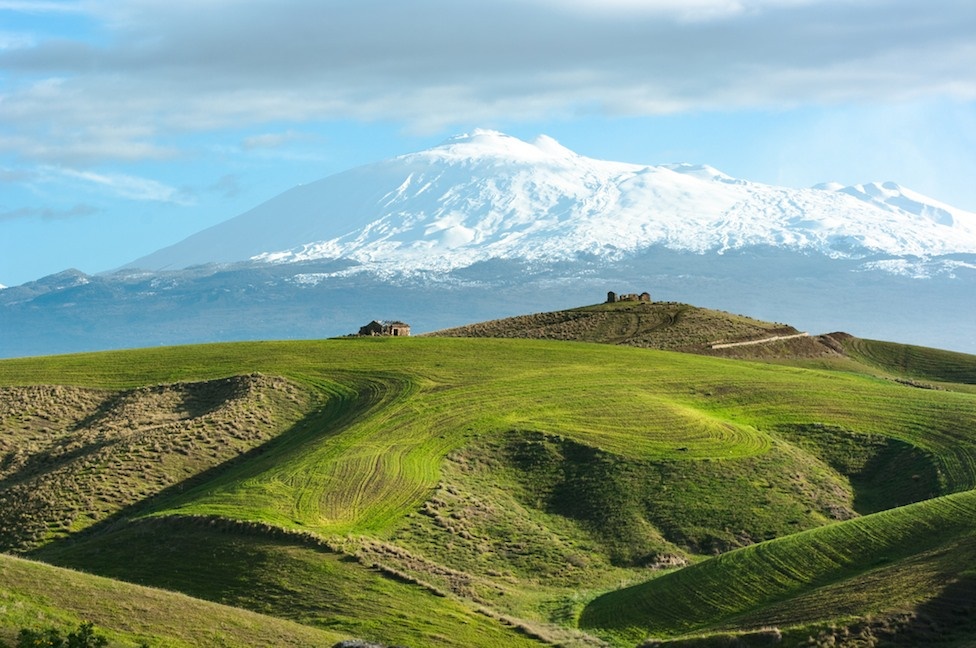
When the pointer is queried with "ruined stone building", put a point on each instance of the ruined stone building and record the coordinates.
(382, 327)
(613, 297)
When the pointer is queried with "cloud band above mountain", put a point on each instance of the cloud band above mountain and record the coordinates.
(181, 66)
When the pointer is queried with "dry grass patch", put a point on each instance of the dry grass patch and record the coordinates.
(668, 326)
(71, 457)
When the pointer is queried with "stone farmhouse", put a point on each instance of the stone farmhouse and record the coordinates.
(382, 327)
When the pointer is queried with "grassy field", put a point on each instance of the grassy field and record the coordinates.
(462, 492)
(288, 576)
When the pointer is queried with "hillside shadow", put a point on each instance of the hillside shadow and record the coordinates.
(202, 398)
(102, 412)
(948, 617)
(897, 475)
(884, 472)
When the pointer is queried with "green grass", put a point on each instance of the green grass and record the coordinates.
(883, 472)
(917, 362)
(38, 596)
(288, 576)
(522, 476)
(630, 512)
(398, 407)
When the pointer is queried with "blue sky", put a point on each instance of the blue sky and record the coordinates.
(126, 125)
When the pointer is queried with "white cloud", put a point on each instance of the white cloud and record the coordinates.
(47, 213)
(127, 186)
(180, 66)
(42, 6)
(272, 140)
(682, 10)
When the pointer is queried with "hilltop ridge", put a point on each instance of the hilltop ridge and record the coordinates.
(668, 326)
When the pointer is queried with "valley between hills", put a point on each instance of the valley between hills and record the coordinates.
(614, 475)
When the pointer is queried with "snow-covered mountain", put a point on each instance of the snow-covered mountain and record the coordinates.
(487, 226)
(487, 195)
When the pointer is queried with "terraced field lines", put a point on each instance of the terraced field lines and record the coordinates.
(919, 362)
(332, 455)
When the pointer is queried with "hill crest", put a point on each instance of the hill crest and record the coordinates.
(668, 326)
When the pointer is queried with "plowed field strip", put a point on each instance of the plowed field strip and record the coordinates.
(322, 473)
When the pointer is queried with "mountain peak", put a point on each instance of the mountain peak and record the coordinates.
(828, 186)
(486, 143)
(479, 135)
(549, 145)
(701, 171)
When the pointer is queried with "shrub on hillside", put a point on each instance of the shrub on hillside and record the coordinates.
(83, 637)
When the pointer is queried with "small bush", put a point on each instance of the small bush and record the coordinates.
(83, 637)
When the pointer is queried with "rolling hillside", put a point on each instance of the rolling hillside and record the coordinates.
(668, 326)
(464, 492)
(913, 362)
(882, 562)
(39, 595)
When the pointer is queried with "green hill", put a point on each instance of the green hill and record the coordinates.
(669, 326)
(913, 362)
(887, 563)
(465, 492)
(289, 576)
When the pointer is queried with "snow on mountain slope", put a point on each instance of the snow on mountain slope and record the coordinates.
(891, 195)
(488, 195)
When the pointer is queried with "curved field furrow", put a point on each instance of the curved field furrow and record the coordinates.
(374, 451)
(414, 400)
(626, 419)
(325, 472)
(365, 459)
(942, 423)
(914, 361)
